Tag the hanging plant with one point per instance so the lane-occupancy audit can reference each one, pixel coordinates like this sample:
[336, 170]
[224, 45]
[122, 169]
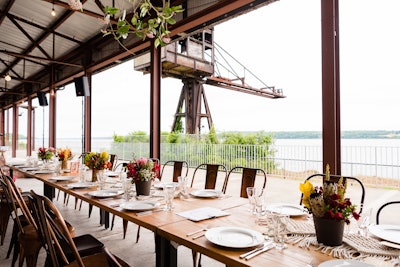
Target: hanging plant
[145, 20]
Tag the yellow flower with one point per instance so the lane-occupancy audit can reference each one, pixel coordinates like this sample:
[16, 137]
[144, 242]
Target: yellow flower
[104, 155]
[307, 189]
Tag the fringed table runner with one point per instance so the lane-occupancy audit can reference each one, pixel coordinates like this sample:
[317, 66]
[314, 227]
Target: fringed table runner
[368, 249]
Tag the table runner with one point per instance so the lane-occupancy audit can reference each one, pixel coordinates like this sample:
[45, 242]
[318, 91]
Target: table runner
[302, 233]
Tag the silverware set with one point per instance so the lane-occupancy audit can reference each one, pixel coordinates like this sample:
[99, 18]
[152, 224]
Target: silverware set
[198, 233]
[258, 250]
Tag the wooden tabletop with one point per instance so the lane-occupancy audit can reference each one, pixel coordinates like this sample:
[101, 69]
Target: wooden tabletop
[173, 227]
[240, 217]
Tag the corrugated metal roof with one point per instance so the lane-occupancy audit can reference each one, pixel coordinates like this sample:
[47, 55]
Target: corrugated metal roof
[32, 41]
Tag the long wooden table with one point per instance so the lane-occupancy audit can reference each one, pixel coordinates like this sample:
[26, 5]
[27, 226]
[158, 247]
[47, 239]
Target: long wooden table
[168, 226]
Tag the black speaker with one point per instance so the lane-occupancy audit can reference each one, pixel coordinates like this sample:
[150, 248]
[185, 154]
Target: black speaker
[82, 86]
[42, 98]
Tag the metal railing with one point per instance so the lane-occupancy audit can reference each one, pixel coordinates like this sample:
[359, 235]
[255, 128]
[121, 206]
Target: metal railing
[375, 166]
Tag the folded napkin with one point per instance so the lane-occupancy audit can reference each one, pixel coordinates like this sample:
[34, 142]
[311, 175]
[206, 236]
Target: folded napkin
[202, 214]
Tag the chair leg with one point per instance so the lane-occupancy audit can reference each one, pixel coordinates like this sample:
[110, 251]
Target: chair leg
[13, 242]
[4, 217]
[80, 205]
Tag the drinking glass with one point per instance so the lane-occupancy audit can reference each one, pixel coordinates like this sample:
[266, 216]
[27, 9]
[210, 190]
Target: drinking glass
[182, 187]
[251, 192]
[260, 205]
[126, 185]
[169, 194]
[363, 222]
[280, 222]
[101, 179]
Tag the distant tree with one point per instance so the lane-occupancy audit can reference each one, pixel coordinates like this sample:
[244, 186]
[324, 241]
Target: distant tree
[212, 137]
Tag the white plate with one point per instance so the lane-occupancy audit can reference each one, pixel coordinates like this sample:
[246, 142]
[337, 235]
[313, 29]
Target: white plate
[42, 172]
[387, 232]
[344, 263]
[105, 193]
[287, 209]
[207, 193]
[161, 185]
[63, 178]
[140, 205]
[81, 185]
[234, 237]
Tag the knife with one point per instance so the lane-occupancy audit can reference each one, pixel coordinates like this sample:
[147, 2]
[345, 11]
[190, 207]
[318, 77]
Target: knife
[265, 248]
[259, 247]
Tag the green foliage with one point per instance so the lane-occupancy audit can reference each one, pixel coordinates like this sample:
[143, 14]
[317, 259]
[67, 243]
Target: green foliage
[212, 137]
[133, 137]
[149, 21]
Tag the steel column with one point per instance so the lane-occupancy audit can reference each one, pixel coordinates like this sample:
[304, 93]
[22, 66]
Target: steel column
[14, 143]
[155, 101]
[29, 128]
[2, 127]
[87, 117]
[330, 86]
[52, 118]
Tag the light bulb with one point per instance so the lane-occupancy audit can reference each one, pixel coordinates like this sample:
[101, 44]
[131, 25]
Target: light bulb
[53, 12]
[7, 77]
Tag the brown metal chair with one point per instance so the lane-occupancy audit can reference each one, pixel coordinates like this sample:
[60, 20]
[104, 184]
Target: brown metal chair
[25, 239]
[249, 176]
[378, 213]
[211, 175]
[63, 249]
[321, 178]
[179, 168]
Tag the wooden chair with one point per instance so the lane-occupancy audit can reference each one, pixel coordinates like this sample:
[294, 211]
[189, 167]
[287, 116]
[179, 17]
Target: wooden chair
[248, 179]
[391, 203]
[178, 168]
[335, 178]
[211, 175]
[63, 249]
[5, 214]
[25, 239]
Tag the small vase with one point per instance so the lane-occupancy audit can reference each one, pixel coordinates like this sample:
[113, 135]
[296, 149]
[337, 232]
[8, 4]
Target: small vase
[143, 188]
[329, 232]
[94, 175]
[64, 165]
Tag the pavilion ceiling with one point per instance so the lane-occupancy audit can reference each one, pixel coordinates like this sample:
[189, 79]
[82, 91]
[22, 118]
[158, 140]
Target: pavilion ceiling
[40, 51]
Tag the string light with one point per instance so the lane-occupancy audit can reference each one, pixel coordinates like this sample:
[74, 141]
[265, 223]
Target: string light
[53, 12]
[7, 77]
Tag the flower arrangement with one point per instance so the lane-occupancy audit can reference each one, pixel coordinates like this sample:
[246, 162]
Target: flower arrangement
[143, 169]
[328, 201]
[46, 153]
[97, 161]
[64, 154]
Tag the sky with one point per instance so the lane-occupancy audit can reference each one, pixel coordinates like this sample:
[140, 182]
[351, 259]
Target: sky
[281, 44]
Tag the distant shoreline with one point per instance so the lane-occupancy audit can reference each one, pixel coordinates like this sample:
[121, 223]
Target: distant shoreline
[379, 134]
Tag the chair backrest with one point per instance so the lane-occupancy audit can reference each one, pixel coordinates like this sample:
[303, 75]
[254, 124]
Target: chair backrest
[249, 176]
[378, 213]
[53, 231]
[16, 201]
[113, 159]
[212, 171]
[336, 178]
[178, 166]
